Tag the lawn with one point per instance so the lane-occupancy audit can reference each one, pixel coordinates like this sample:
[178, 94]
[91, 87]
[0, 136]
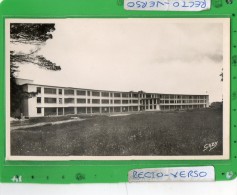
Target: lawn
[145, 133]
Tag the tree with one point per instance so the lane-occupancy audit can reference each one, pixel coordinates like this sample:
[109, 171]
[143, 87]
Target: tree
[31, 33]
[35, 35]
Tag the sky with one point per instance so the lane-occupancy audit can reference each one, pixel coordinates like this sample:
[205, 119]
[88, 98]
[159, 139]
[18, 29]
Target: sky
[153, 55]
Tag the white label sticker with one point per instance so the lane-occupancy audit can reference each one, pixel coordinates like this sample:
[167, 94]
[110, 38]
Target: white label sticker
[202, 173]
[167, 5]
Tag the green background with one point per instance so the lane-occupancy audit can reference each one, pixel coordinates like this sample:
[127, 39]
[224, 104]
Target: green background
[106, 171]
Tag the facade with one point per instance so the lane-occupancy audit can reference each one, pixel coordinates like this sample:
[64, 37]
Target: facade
[55, 100]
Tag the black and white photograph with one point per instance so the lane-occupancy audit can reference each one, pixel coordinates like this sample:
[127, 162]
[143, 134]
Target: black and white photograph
[117, 89]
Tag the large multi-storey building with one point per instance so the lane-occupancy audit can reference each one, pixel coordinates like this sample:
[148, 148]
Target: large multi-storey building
[55, 100]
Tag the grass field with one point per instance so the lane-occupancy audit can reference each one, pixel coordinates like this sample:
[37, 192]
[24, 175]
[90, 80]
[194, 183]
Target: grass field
[146, 133]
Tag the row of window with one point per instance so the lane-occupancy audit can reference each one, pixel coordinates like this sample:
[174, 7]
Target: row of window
[149, 95]
[83, 101]
[180, 107]
[84, 110]
[151, 107]
[182, 97]
[84, 92]
[181, 101]
[151, 101]
[172, 96]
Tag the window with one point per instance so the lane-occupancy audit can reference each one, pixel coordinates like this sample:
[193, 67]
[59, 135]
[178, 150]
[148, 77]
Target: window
[125, 101]
[111, 94]
[125, 109]
[105, 109]
[69, 110]
[60, 91]
[69, 100]
[38, 100]
[117, 95]
[38, 89]
[81, 101]
[50, 90]
[117, 101]
[88, 101]
[171, 96]
[124, 94]
[135, 95]
[81, 110]
[50, 100]
[68, 92]
[148, 95]
[38, 110]
[95, 101]
[80, 92]
[95, 110]
[105, 101]
[135, 101]
[88, 93]
[117, 109]
[60, 100]
[88, 110]
[105, 94]
[111, 101]
[135, 108]
[50, 111]
[60, 111]
[95, 93]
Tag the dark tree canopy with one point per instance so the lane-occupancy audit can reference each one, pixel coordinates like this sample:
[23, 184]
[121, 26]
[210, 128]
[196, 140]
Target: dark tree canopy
[38, 60]
[31, 33]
